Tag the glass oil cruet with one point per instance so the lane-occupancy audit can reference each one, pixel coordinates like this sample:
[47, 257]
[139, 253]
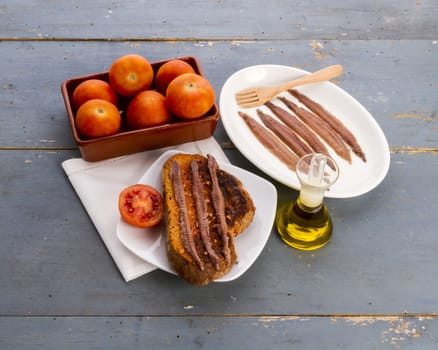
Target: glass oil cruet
[305, 223]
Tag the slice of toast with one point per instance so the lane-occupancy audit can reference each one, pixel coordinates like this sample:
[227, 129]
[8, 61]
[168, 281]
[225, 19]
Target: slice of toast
[205, 208]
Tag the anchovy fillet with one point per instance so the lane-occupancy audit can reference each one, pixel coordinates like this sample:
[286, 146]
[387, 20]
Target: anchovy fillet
[201, 213]
[323, 129]
[186, 232]
[334, 122]
[285, 134]
[271, 142]
[300, 128]
[219, 207]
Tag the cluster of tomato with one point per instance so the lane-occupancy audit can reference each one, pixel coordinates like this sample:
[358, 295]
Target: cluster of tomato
[175, 89]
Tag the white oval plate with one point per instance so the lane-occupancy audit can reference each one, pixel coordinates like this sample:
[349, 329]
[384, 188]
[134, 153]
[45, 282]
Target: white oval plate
[150, 244]
[356, 178]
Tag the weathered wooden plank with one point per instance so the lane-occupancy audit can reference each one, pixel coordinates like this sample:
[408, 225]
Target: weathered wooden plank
[381, 260]
[261, 332]
[60, 287]
[278, 19]
[394, 80]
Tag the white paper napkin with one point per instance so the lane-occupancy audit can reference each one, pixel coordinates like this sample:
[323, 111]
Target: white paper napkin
[98, 185]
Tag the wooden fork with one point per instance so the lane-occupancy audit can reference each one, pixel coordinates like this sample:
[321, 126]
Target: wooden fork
[257, 96]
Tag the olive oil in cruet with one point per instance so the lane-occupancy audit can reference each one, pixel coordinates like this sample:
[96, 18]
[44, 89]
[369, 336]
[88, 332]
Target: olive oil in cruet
[305, 223]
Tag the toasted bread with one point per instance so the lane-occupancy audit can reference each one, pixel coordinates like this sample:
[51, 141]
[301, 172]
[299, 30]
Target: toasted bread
[205, 208]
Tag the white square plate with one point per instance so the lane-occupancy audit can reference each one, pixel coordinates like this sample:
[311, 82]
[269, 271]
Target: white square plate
[150, 244]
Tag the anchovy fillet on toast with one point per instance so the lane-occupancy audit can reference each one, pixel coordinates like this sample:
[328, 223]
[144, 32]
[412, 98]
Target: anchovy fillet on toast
[206, 207]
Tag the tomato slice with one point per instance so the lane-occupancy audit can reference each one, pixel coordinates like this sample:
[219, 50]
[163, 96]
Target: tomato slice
[141, 205]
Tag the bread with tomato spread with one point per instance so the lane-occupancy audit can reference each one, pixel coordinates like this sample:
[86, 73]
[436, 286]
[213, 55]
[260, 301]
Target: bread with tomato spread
[205, 209]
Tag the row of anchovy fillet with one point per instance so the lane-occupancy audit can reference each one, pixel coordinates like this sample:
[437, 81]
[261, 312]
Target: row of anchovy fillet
[201, 212]
[296, 132]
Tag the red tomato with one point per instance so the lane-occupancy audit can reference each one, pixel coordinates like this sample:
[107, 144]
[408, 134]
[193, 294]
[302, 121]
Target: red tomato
[130, 74]
[169, 71]
[148, 108]
[190, 96]
[93, 88]
[141, 205]
[98, 118]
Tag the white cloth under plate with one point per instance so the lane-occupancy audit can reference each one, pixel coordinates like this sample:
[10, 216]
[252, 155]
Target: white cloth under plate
[98, 185]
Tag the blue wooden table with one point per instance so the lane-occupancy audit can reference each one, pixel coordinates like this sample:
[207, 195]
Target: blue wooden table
[373, 287]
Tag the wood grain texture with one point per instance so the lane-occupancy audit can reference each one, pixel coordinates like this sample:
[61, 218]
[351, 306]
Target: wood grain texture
[371, 287]
[249, 20]
[394, 80]
[283, 332]
[378, 261]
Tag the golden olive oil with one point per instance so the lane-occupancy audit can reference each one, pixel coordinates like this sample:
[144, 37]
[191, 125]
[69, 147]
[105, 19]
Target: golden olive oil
[302, 227]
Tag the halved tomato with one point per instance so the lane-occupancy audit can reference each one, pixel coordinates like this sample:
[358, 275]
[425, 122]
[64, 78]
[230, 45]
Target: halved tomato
[141, 205]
